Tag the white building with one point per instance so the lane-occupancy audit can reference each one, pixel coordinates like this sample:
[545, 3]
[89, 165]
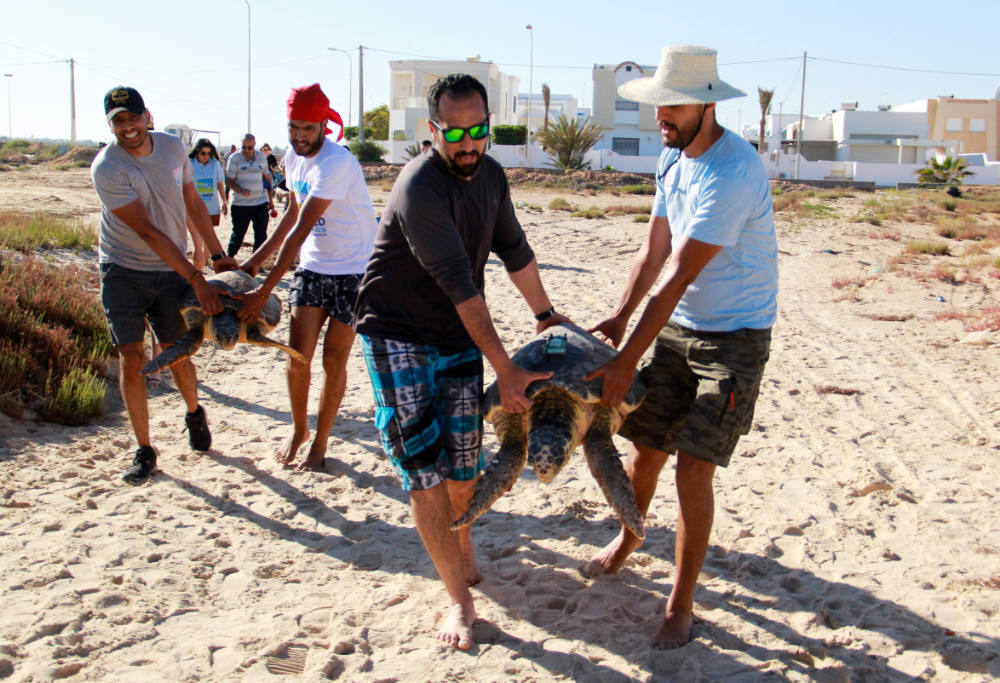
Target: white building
[410, 80]
[631, 127]
[884, 136]
[565, 105]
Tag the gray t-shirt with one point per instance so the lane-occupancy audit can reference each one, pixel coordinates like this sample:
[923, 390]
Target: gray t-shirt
[157, 180]
[249, 175]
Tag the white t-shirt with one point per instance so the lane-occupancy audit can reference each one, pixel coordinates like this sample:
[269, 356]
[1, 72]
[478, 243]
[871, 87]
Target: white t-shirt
[249, 175]
[342, 240]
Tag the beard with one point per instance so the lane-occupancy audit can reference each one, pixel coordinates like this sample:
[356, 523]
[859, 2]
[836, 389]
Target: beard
[307, 149]
[464, 164]
[686, 135]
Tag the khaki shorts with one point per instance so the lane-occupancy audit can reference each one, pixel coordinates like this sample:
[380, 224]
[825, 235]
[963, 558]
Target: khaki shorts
[702, 390]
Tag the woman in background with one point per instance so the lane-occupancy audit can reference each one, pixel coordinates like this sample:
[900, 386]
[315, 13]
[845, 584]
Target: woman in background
[210, 181]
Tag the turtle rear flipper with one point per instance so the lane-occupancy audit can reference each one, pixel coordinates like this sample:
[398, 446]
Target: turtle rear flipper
[502, 472]
[255, 336]
[185, 347]
[606, 467]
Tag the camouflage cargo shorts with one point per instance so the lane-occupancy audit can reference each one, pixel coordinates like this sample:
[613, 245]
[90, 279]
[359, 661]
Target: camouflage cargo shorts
[702, 390]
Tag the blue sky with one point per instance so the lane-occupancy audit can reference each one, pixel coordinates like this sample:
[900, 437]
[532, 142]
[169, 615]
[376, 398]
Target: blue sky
[189, 59]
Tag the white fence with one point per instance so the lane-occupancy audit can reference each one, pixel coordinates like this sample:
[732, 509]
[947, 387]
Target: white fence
[778, 165]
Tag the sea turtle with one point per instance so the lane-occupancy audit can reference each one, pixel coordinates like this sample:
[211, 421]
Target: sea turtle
[565, 412]
[224, 328]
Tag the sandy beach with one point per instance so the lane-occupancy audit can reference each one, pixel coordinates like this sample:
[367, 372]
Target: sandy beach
[856, 537]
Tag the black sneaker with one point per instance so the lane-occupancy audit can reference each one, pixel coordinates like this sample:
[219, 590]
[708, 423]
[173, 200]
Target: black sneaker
[197, 426]
[143, 465]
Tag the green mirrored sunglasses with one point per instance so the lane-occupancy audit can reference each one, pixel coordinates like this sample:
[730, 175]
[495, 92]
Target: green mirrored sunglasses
[476, 132]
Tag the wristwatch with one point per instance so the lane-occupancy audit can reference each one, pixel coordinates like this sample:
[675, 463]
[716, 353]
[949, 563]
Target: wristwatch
[545, 315]
[216, 257]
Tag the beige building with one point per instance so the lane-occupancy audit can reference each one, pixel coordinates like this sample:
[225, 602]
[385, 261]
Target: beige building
[410, 80]
[973, 124]
[631, 127]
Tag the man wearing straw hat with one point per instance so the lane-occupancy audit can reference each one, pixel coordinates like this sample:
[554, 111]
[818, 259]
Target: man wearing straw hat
[713, 229]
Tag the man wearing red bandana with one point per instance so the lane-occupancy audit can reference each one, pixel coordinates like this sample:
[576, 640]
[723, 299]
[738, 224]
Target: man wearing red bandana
[330, 225]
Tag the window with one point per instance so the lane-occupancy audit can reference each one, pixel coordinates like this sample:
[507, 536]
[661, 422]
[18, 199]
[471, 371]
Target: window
[977, 125]
[953, 125]
[625, 105]
[625, 146]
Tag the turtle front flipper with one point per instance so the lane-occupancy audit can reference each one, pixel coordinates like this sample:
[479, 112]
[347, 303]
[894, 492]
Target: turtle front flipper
[606, 467]
[554, 418]
[255, 336]
[185, 347]
[501, 473]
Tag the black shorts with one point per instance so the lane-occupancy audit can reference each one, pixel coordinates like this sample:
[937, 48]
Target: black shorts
[702, 390]
[131, 297]
[335, 294]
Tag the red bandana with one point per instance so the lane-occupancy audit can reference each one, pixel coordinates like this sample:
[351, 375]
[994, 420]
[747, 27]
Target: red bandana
[310, 104]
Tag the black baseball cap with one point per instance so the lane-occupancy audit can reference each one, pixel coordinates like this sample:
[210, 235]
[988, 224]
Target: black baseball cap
[122, 98]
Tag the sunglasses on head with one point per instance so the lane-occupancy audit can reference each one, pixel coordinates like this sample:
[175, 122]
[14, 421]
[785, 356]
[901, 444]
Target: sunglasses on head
[476, 132]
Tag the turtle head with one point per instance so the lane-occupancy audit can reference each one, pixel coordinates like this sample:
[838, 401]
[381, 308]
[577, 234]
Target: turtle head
[226, 329]
[549, 447]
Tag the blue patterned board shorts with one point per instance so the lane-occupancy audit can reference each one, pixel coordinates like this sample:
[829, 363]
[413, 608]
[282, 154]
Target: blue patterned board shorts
[427, 410]
[335, 294]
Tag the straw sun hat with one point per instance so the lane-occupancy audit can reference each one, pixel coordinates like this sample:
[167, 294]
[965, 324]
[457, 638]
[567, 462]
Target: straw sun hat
[686, 75]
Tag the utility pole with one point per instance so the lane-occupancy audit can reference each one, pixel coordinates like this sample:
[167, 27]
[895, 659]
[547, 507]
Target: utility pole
[531, 85]
[249, 131]
[72, 101]
[802, 107]
[361, 93]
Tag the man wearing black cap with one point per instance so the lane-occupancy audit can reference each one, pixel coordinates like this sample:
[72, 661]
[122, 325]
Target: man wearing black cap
[146, 186]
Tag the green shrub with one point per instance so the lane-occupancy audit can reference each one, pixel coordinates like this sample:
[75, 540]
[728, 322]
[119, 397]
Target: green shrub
[76, 398]
[366, 150]
[928, 247]
[640, 218]
[592, 212]
[51, 328]
[510, 135]
[560, 204]
[639, 189]
[26, 232]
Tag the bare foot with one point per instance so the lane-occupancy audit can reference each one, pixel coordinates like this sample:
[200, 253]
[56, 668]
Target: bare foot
[290, 447]
[456, 629]
[675, 631]
[612, 557]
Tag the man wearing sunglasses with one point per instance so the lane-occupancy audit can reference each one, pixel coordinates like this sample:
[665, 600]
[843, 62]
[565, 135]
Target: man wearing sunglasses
[245, 176]
[425, 327]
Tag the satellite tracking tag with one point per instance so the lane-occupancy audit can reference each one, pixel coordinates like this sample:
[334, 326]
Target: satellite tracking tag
[555, 345]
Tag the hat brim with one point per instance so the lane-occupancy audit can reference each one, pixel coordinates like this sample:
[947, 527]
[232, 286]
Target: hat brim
[118, 110]
[645, 90]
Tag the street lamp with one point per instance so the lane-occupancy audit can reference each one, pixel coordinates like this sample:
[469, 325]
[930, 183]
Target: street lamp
[350, 87]
[10, 126]
[531, 74]
[248, 65]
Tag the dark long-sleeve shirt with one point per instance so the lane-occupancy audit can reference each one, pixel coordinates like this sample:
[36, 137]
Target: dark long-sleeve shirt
[431, 249]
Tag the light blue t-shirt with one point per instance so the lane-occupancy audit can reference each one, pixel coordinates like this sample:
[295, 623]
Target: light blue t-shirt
[722, 197]
[207, 178]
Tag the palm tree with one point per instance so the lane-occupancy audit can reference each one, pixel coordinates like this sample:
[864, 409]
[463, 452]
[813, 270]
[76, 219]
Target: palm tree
[546, 98]
[568, 141]
[765, 106]
[948, 171]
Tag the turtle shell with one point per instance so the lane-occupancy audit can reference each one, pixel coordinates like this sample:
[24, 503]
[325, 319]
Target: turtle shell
[237, 282]
[570, 352]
